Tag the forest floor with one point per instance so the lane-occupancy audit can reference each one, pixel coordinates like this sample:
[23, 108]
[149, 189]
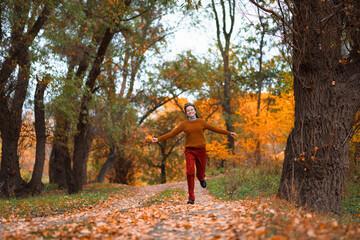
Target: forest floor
[131, 215]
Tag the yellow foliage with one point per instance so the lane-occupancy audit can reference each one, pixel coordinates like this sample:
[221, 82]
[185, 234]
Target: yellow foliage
[218, 150]
[269, 126]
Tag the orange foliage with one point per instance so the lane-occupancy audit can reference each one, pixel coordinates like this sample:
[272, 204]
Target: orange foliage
[218, 150]
[270, 127]
[27, 148]
[216, 146]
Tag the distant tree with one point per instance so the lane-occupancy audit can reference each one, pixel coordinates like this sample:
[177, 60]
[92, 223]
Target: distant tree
[259, 70]
[88, 59]
[164, 123]
[76, 26]
[224, 29]
[143, 36]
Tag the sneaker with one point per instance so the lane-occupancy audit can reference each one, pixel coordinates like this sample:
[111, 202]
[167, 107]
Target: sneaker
[190, 202]
[203, 183]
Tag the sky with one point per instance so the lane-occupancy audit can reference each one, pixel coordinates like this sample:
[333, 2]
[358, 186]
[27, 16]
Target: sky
[199, 38]
[190, 36]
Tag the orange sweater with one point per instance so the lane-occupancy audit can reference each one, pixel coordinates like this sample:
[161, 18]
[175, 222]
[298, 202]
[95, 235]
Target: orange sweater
[194, 132]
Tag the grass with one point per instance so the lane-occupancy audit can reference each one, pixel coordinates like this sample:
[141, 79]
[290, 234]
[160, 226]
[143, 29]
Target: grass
[165, 196]
[351, 202]
[54, 201]
[244, 183]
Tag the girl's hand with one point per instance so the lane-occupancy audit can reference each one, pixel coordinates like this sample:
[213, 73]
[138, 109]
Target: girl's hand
[154, 140]
[149, 138]
[233, 134]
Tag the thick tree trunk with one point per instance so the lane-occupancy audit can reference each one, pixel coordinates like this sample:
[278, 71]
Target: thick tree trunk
[11, 183]
[60, 160]
[327, 97]
[124, 168]
[316, 156]
[36, 185]
[107, 165]
[81, 138]
[59, 156]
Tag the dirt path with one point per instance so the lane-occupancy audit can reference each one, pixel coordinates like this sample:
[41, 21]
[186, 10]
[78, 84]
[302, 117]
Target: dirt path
[208, 218]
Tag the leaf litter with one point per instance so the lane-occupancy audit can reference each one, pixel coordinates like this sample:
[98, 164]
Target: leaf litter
[129, 216]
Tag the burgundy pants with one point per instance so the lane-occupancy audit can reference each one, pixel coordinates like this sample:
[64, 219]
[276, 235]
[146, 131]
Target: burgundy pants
[194, 156]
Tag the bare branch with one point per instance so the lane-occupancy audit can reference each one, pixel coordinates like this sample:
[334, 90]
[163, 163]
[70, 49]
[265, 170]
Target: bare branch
[275, 15]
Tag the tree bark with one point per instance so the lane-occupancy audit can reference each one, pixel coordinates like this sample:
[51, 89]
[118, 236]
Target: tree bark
[260, 79]
[21, 45]
[226, 98]
[59, 156]
[327, 97]
[60, 160]
[36, 186]
[124, 168]
[89, 140]
[163, 171]
[80, 139]
[11, 183]
[107, 165]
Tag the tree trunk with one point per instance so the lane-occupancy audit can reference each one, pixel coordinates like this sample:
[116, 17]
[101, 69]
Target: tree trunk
[107, 165]
[80, 139]
[59, 156]
[163, 170]
[11, 104]
[226, 104]
[89, 140]
[60, 160]
[327, 97]
[124, 168]
[21, 43]
[225, 53]
[260, 79]
[12, 185]
[36, 186]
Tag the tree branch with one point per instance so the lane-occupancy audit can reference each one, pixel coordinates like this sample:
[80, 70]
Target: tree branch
[275, 15]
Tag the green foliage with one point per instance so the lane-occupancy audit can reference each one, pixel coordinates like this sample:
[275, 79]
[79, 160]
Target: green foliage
[167, 152]
[245, 182]
[184, 74]
[260, 61]
[57, 202]
[351, 202]
[48, 187]
[166, 196]
[214, 171]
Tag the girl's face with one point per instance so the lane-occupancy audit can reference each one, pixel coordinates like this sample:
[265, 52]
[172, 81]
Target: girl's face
[190, 111]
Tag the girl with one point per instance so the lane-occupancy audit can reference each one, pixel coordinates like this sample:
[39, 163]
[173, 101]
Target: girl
[195, 152]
